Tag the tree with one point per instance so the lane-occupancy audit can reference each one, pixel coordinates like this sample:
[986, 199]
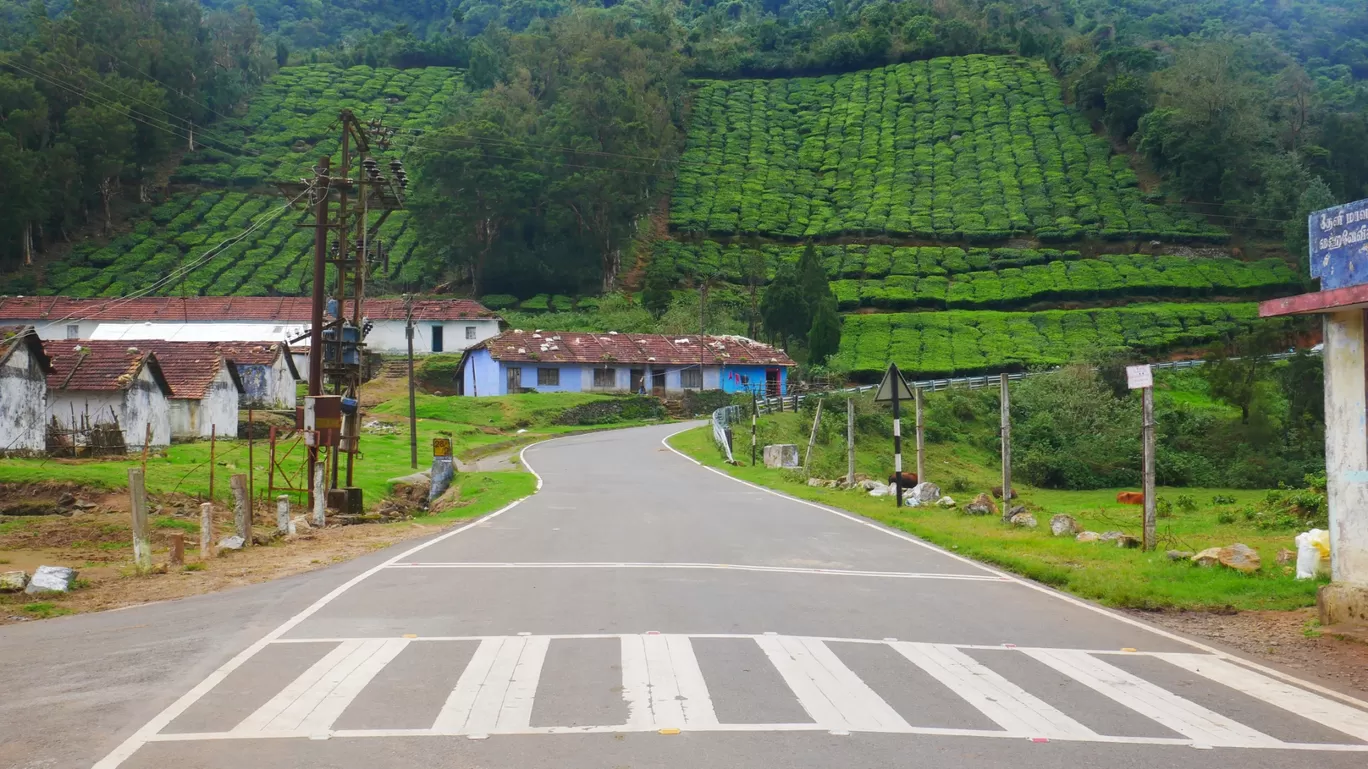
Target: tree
[824, 338]
[783, 309]
[812, 282]
[655, 295]
[1234, 371]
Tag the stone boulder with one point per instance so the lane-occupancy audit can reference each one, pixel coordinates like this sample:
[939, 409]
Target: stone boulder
[781, 455]
[924, 493]
[1209, 557]
[13, 581]
[51, 579]
[1063, 525]
[946, 502]
[982, 505]
[1112, 536]
[879, 491]
[869, 484]
[1088, 536]
[1023, 519]
[1241, 558]
[1287, 557]
[231, 543]
[1178, 555]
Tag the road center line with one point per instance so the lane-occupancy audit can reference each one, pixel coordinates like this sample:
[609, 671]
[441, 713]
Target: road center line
[719, 566]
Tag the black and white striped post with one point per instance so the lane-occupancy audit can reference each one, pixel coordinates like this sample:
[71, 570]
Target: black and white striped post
[897, 444]
[894, 389]
[755, 410]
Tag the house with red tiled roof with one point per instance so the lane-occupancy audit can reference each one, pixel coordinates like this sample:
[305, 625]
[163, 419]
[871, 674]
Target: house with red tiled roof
[23, 391]
[440, 324]
[206, 390]
[265, 371]
[571, 361]
[109, 383]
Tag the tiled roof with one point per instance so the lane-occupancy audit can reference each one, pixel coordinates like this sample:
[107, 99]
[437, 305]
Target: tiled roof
[646, 349]
[90, 365]
[237, 309]
[13, 336]
[190, 367]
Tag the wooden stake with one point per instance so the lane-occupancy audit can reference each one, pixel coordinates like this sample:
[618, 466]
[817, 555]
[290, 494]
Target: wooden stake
[241, 509]
[213, 432]
[921, 439]
[178, 549]
[206, 530]
[1006, 448]
[1151, 514]
[251, 474]
[142, 547]
[147, 441]
[850, 441]
[812, 438]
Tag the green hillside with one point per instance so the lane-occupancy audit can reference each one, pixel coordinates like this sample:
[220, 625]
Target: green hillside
[975, 148]
[290, 124]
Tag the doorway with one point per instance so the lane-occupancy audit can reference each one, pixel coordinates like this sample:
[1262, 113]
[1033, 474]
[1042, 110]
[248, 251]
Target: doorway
[658, 382]
[638, 380]
[437, 338]
[514, 380]
[772, 382]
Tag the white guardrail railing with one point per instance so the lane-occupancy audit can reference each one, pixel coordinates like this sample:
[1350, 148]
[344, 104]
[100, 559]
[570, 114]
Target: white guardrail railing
[722, 420]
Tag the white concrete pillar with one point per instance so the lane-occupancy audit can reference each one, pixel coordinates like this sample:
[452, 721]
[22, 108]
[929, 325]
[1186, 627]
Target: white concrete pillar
[1346, 445]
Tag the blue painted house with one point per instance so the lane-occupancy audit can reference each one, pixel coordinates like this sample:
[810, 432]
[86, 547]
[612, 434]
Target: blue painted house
[570, 361]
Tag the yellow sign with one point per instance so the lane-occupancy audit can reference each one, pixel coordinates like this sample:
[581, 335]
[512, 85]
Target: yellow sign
[441, 447]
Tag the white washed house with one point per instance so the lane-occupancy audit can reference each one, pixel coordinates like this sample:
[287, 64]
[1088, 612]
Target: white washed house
[104, 383]
[23, 391]
[206, 391]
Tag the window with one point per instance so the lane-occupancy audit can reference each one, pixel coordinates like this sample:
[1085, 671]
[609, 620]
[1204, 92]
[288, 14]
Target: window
[470, 332]
[548, 377]
[691, 378]
[73, 332]
[437, 338]
[605, 378]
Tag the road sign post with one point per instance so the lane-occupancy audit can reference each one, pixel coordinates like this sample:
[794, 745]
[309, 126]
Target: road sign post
[1142, 378]
[893, 389]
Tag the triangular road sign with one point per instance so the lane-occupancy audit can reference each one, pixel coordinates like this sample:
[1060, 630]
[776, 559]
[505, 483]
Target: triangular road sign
[892, 378]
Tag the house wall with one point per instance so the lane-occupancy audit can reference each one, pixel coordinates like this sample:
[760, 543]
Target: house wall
[482, 375]
[100, 406]
[219, 408]
[183, 416]
[388, 335]
[145, 404]
[267, 386]
[23, 404]
[744, 378]
[570, 378]
[1346, 445]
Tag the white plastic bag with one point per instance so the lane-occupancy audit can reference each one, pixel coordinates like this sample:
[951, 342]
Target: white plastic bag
[1313, 553]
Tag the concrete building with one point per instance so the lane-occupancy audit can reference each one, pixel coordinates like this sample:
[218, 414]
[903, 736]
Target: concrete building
[565, 361]
[1339, 259]
[24, 368]
[106, 384]
[206, 390]
[266, 372]
[440, 325]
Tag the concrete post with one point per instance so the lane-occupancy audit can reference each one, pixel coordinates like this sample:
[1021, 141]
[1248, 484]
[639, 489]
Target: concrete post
[1346, 466]
[1006, 431]
[850, 441]
[206, 529]
[1149, 537]
[142, 546]
[320, 515]
[177, 549]
[283, 515]
[242, 509]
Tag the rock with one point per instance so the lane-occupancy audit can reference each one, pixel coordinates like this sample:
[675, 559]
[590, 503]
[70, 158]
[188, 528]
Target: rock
[1063, 525]
[51, 579]
[231, 543]
[879, 491]
[946, 502]
[1112, 536]
[1088, 536]
[13, 581]
[300, 523]
[1128, 542]
[925, 493]
[1178, 555]
[82, 504]
[981, 505]
[816, 482]
[1241, 558]
[1015, 509]
[833, 484]
[1209, 557]
[997, 493]
[781, 455]
[1286, 557]
[66, 500]
[870, 484]
[1023, 519]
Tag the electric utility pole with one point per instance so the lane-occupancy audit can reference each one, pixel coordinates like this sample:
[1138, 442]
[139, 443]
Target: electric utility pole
[413, 407]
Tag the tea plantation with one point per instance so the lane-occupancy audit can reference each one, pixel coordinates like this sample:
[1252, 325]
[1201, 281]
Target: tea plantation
[975, 148]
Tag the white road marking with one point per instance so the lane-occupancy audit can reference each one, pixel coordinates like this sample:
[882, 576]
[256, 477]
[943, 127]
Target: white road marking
[663, 685]
[497, 688]
[314, 700]
[1078, 602]
[723, 566]
[1007, 704]
[148, 730]
[1305, 704]
[1183, 716]
[829, 691]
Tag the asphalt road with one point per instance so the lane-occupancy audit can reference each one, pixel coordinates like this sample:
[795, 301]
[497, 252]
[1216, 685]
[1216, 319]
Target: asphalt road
[643, 611]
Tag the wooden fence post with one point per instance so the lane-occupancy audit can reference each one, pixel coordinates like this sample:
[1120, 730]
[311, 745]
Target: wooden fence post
[206, 529]
[213, 431]
[812, 437]
[1006, 449]
[177, 549]
[1151, 503]
[850, 441]
[242, 511]
[142, 547]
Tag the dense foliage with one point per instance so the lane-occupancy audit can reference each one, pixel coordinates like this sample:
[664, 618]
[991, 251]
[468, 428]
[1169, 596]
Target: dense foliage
[93, 102]
[962, 342]
[973, 147]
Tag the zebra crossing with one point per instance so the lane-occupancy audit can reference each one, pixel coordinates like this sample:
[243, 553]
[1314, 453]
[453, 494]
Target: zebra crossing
[664, 688]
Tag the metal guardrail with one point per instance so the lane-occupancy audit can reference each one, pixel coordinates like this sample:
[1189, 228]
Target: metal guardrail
[722, 420]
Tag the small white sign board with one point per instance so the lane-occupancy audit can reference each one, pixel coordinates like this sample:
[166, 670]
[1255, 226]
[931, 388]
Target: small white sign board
[1139, 377]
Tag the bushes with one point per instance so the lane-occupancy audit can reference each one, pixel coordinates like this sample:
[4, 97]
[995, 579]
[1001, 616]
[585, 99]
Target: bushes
[974, 148]
[628, 408]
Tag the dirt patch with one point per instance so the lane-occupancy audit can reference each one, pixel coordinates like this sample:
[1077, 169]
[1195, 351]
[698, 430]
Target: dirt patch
[1285, 639]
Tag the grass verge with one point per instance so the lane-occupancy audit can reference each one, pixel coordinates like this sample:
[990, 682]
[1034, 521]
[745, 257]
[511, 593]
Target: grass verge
[1101, 572]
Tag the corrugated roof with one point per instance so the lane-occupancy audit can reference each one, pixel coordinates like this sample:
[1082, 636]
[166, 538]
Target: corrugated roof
[172, 309]
[109, 366]
[658, 349]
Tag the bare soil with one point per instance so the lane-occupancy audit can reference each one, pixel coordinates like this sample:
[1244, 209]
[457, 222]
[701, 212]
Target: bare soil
[1288, 640]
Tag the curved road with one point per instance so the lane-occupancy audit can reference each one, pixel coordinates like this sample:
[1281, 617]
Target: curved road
[643, 611]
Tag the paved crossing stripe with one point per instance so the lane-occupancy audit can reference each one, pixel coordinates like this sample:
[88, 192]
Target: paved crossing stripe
[1314, 707]
[829, 691]
[1007, 704]
[1182, 716]
[314, 700]
[662, 683]
[496, 690]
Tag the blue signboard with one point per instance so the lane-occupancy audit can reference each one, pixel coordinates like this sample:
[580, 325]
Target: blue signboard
[1339, 245]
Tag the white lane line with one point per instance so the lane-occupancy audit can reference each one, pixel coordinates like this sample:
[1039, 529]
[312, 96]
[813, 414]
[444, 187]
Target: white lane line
[309, 680]
[144, 734]
[313, 701]
[676, 696]
[516, 712]
[336, 702]
[461, 702]
[1007, 704]
[829, 691]
[696, 701]
[1203, 726]
[1065, 597]
[1323, 711]
[497, 688]
[636, 681]
[723, 566]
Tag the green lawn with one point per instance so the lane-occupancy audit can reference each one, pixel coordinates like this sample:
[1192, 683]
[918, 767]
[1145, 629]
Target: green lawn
[1102, 572]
